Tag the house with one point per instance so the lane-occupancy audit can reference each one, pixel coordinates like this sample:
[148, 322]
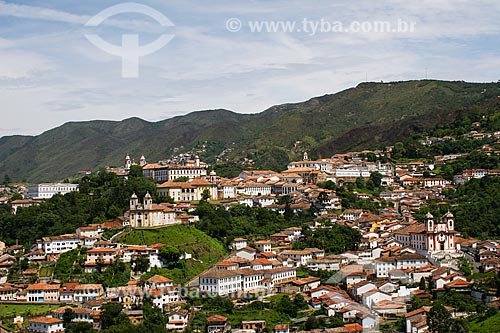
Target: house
[324, 264]
[160, 297]
[280, 238]
[161, 172]
[355, 277]
[254, 189]
[246, 253]
[228, 190]
[23, 203]
[416, 321]
[300, 257]
[88, 292]
[80, 315]
[227, 282]
[221, 282]
[282, 328]
[362, 287]
[48, 190]
[307, 283]
[217, 324]
[7, 292]
[45, 325]
[389, 308]
[102, 254]
[261, 264]
[352, 214]
[90, 231]
[177, 320]
[239, 243]
[192, 190]
[36, 256]
[406, 261]
[42, 293]
[263, 245]
[158, 281]
[371, 298]
[59, 244]
[367, 320]
[67, 292]
[490, 264]
[353, 328]
[256, 325]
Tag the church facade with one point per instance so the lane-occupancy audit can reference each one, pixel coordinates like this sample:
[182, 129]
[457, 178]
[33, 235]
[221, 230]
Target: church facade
[440, 237]
[147, 214]
[430, 237]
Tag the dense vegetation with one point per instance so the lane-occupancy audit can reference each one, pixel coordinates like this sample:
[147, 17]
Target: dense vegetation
[102, 197]
[369, 115]
[335, 238]
[243, 221]
[476, 206]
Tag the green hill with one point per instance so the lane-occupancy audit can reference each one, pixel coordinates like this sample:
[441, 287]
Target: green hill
[205, 250]
[369, 115]
[491, 324]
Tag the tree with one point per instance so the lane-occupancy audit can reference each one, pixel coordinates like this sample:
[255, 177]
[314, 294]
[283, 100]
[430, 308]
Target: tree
[438, 319]
[322, 197]
[312, 323]
[422, 285]
[112, 315]
[376, 178]
[300, 302]
[154, 319]
[170, 255]
[205, 195]
[68, 316]
[136, 171]
[181, 179]
[141, 264]
[465, 266]
[360, 183]
[79, 327]
[16, 196]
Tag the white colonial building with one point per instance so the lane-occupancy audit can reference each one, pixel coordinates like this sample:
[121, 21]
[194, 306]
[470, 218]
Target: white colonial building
[45, 325]
[162, 172]
[59, 244]
[191, 190]
[48, 190]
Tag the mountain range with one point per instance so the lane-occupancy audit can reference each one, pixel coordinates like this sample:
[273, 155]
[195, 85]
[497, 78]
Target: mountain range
[369, 115]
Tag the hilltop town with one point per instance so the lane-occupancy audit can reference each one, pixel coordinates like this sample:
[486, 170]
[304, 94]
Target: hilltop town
[358, 242]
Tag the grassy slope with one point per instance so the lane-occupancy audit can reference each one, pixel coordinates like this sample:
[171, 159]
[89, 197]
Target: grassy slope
[206, 250]
[492, 324]
[369, 114]
[12, 310]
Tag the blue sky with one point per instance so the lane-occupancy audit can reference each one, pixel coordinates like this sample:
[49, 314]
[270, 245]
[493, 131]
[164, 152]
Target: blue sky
[50, 73]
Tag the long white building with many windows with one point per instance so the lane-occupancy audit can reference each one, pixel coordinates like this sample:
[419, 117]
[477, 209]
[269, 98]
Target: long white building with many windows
[48, 190]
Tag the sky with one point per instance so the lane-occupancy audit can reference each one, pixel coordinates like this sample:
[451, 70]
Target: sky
[217, 57]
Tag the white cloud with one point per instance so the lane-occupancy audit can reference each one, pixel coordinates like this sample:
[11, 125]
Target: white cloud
[52, 75]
